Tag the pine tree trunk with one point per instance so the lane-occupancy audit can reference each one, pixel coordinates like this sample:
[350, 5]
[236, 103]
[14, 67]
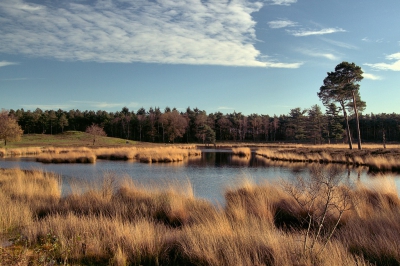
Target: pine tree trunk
[357, 121]
[347, 126]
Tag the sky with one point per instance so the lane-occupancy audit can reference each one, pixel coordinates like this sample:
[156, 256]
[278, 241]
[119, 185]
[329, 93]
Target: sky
[265, 57]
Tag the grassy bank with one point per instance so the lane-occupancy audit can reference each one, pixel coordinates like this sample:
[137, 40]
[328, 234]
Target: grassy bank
[123, 223]
[375, 159]
[66, 139]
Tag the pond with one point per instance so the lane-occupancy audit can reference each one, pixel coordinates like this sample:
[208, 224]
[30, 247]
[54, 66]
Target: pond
[210, 175]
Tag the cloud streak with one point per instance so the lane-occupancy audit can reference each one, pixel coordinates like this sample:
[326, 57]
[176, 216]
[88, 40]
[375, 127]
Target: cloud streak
[277, 24]
[215, 32]
[283, 2]
[395, 66]
[6, 63]
[313, 53]
[371, 76]
[304, 33]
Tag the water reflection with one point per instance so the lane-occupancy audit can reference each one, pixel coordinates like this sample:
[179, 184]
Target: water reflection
[209, 174]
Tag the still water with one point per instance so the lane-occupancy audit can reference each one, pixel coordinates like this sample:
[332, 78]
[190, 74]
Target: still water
[210, 175]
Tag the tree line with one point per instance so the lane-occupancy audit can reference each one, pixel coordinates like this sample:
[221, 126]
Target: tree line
[195, 125]
[342, 121]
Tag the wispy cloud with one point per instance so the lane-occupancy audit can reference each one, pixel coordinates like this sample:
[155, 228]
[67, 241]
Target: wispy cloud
[283, 65]
[371, 76]
[340, 44]
[366, 39]
[168, 32]
[303, 33]
[395, 66]
[314, 53]
[6, 63]
[225, 108]
[277, 24]
[283, 2]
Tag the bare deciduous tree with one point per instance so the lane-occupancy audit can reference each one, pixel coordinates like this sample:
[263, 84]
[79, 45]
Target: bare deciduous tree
[323, 198]
[95, 131]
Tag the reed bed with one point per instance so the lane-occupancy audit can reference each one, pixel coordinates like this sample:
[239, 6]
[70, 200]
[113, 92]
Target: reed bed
[70, 157]
[20, 151]
[242, 151]
[123, 223]
[167, 154]
[376, 160]
[124, 153]
[146, 155]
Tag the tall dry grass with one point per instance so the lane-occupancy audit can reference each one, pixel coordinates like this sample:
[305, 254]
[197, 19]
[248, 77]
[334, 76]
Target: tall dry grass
[122, 223]
[70, 157]
[146, 155]
[23, 194]
[373, 161]
[242, 151]
[20, 151]
[167, 154]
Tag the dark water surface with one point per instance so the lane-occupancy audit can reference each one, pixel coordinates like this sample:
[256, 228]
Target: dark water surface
[209, 174]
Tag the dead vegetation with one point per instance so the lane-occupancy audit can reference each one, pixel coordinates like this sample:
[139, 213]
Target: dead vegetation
[90, 155]
[123, 223]
[375, 159]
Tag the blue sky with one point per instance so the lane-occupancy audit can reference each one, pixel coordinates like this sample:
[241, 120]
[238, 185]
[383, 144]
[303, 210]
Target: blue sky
[263, 57]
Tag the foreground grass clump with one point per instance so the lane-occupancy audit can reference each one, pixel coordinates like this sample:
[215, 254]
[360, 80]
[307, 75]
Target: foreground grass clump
[23, 194]
[117, 222]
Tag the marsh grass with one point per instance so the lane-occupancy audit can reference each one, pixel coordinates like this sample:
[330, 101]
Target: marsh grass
[22, 194]
[90, 155]
[242, 151]
[117, 221]
[376, 160]
[20, 151]
[71, 157]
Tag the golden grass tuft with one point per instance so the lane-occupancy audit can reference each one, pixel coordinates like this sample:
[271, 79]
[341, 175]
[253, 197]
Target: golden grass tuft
[242, 151]
[69, 157]
[166, 154]
[22, 193]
